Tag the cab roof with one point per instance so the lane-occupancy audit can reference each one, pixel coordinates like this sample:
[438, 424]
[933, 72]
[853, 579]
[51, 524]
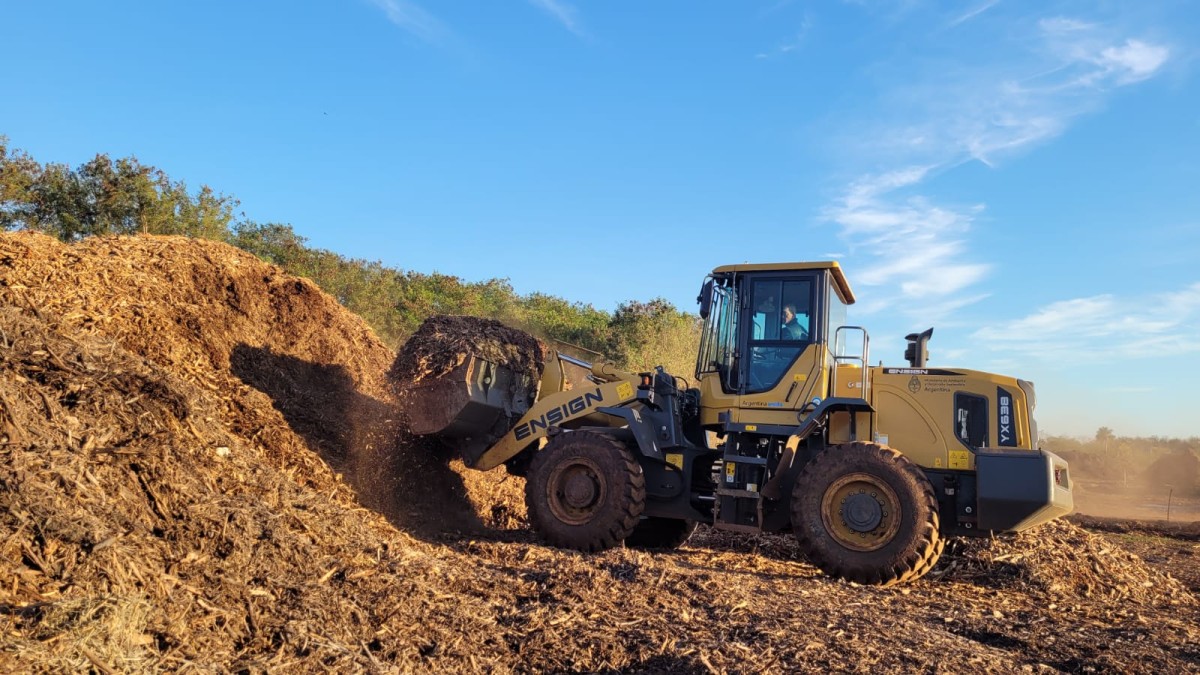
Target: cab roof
[840, 284]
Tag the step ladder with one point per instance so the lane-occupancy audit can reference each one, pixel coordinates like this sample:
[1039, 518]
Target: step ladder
[739, 502]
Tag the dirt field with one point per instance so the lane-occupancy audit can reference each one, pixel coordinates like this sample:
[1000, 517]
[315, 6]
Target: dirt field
[201, 470]
[1114, 499]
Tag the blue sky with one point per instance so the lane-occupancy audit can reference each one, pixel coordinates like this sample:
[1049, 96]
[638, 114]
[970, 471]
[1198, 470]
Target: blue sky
[1021, 175]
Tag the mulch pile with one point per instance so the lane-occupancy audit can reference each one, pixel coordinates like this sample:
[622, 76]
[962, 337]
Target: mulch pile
[293, 372]
[139, 534]
[1059, 561]
[201, 468]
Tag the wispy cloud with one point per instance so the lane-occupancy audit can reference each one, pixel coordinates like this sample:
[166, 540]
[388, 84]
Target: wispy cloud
[562, 12]
[973, 12]
[1134, 61]
[793, 43]
[919, 247]
[939, 115]
[991, 110]
[1097, 328]
[413, 19]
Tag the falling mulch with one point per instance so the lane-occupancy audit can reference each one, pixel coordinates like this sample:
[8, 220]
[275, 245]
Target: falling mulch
[188, 439]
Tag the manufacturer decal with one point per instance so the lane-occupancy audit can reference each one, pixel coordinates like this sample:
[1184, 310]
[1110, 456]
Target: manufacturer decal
[919, 371]
[1005, 418]
[560, 414]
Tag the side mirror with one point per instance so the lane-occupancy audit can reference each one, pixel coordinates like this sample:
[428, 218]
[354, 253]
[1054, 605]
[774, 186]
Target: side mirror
[705, 299]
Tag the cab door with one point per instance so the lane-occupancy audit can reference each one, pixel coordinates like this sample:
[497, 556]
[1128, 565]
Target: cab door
[783, 346]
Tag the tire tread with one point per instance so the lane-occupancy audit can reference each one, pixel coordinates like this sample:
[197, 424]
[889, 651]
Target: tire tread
[916, 560]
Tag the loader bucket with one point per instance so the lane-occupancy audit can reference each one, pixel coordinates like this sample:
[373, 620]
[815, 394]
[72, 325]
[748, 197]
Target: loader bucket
[478, 400]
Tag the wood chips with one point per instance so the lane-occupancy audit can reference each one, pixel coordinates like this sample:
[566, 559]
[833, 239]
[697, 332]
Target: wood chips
[201, 471]
[442, 343]
[431, 395]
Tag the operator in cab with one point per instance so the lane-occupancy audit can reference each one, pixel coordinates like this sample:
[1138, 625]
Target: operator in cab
[792, 330]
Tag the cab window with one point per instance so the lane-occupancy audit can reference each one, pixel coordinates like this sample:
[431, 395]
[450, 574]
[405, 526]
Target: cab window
[836, 312]
[971, 420]
[781, 322]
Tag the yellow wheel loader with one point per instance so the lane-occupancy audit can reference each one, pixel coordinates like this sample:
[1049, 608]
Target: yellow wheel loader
[786, 427]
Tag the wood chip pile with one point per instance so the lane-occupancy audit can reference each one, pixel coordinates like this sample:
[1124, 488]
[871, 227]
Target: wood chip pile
[138, 534]
[188, 438]
[1060, 560]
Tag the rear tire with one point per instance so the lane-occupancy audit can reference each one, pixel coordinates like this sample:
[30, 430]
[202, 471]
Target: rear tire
[662, 533]
[585, 491]
[867, 513]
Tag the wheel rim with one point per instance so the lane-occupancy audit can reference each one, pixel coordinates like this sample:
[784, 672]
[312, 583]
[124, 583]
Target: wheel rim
[576, 490]
[861, 511]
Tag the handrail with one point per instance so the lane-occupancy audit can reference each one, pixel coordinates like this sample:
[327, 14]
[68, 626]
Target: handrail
[861, 358]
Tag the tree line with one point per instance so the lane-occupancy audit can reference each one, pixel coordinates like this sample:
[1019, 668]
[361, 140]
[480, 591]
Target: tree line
[106, 196]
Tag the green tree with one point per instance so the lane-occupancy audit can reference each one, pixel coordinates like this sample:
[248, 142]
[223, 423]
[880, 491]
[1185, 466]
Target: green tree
[105, 196]
[273, 242]
[647, 334]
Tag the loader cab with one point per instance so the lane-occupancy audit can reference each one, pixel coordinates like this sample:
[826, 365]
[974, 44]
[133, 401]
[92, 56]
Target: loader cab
[767, 330]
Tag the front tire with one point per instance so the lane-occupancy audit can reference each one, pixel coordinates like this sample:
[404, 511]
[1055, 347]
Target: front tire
[867, 513]
[585, 491]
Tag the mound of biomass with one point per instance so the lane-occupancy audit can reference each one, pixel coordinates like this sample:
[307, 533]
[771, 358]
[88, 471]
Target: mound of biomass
[294, 373]
[137, 534]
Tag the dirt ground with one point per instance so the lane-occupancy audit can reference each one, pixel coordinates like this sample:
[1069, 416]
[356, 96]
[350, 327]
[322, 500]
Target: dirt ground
[1115, 499]
[201, 470]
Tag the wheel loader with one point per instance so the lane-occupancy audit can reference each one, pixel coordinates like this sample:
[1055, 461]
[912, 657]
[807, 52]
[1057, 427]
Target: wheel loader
[786, 426]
